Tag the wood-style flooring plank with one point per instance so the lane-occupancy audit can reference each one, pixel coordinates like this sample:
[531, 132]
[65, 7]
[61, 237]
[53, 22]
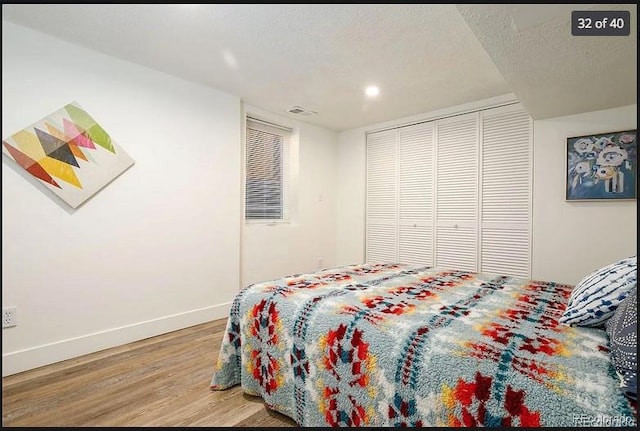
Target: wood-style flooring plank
[160, 381]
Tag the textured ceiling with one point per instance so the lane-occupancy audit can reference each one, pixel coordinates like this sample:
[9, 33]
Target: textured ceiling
[320, 57]
[550, 71]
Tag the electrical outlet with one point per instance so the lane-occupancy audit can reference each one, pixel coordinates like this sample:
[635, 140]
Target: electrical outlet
[8, 317]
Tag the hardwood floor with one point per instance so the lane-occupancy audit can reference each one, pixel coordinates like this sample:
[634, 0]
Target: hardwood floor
[160, 381]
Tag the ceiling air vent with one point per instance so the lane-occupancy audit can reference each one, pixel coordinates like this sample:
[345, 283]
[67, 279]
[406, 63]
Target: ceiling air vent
[298, 110]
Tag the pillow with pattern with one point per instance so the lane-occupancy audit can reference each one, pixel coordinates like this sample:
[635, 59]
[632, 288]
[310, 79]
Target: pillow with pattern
[596, 297]
[622, 329]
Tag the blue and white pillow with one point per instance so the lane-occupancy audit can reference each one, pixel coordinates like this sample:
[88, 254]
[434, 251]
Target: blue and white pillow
[595, 298]
[622, 330]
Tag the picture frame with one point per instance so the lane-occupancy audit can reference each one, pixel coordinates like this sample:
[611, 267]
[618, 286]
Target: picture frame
[602, 166]
[68, 153]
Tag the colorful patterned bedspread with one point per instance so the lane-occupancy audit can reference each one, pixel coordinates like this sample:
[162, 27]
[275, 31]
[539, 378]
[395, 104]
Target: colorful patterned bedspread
[394, 345]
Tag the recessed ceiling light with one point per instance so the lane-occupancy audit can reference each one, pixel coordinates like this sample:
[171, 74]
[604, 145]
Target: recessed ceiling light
[372, 91]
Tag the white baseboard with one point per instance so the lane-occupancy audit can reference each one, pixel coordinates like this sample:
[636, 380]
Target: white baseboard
[33, 357]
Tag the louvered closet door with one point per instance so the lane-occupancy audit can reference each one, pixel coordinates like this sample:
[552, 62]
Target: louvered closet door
[457, 192]
[415, 190]
[506, 191]
[381, 235]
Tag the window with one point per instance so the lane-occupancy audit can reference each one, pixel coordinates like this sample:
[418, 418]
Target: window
[266, 171]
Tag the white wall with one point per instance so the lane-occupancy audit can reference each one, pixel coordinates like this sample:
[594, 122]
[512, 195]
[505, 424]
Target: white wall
[352, 165]
[571, 239]
[158, 248]
[563, 249]
[272, 251]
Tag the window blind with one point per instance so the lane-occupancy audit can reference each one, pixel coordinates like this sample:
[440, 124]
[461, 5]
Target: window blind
[266, 178]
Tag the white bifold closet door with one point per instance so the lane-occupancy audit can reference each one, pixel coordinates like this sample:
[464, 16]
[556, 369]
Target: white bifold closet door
[382, 208]
[415, 193]
[400, 195]
[453, 193]
[456, 194]
[505, 182]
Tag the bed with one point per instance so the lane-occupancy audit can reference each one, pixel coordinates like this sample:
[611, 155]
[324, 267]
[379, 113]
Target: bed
[407, 345]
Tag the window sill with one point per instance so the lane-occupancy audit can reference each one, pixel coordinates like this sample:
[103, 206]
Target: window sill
[267, 222]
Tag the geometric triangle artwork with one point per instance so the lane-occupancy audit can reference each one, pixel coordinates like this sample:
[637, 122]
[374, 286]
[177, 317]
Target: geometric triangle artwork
[61, 170]
[77, 152]
[96, 133]
[75, 134]
[71, 146]
[54, 147]
[30, 165]
[55, 132]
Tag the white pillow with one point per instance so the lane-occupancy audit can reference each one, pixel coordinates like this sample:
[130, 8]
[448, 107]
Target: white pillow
[596, 297]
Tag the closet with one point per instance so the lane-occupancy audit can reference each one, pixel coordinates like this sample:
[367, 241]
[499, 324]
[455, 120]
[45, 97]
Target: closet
[453, 192]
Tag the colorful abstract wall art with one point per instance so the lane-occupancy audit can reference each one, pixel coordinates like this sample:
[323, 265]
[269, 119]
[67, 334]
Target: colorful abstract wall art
[68, 152]
[602, 166]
